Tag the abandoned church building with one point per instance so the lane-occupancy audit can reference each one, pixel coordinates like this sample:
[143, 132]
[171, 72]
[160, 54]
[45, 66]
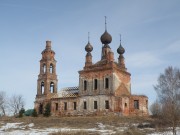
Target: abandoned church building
[104, 86]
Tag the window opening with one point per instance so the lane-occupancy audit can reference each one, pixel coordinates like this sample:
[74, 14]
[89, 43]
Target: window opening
[95, 84]
[125, 104]
[42, 87]
[41, 109]
[136, 104]
[52, 87]
[56, 106]
[44, 68]
[85, 85]
[65, 105]
[75, 105]
[95, 105]
[51, 68]
[106, 83]
[85, 105]
[107, 104]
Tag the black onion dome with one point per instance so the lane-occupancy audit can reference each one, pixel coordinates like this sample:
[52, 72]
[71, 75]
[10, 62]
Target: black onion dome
[120, 50]
[88, 47]
[106, 38]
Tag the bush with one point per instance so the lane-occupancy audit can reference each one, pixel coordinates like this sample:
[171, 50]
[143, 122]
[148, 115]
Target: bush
[34, 113]
[21, 112]
[47, 111]
[29, 112]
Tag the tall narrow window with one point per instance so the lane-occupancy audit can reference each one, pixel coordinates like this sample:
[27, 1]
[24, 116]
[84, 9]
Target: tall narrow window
[95, 105]
[95, 84]
[85, 105]
[125, 104]
[51, 68]
[42, 87]
[75, 105]
[44, 68]
[136, 104]
[107, 83]
[107, 104]
[52, 87]
[65, 105]
[85, 85]
[56, 106]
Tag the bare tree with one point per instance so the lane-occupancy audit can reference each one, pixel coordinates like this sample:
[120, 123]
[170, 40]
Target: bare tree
[155, 108]
[16, 103]
[168, 90]
[3, 102]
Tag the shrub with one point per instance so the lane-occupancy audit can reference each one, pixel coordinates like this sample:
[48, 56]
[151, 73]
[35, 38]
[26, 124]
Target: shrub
[21, 112]
[47, 111]
[29, 112]
[34, 113]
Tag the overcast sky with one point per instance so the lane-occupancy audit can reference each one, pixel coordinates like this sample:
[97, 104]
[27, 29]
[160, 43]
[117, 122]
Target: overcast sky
[150, 32]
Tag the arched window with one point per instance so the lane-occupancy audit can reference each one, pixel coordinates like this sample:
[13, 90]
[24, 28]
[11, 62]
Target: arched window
[85, 85]
[107, 83]
[44, 68]
[95, 84]
[51, 68]
[42, 87]
[52, 87]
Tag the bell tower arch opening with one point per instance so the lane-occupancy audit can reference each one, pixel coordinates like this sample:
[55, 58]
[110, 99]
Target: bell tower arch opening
[52, 87]
[51, 68]
[42, 88]
[44, 68]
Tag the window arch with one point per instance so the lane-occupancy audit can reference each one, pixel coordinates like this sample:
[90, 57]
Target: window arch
[44, 68]
[52, 87]
[42, 87]
[51, 68]
[85, 85]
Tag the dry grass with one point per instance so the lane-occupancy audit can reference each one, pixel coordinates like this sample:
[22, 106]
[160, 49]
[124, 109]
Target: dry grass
[78, 122]
[84, 122]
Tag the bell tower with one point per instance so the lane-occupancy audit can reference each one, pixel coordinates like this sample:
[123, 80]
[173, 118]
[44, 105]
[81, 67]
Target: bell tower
[47, 78]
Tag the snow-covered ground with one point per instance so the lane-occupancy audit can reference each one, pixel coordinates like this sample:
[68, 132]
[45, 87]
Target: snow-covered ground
[21, 129]
[167, 132]
[30, 129]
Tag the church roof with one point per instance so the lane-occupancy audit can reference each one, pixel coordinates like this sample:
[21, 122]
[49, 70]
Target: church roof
[67, 92]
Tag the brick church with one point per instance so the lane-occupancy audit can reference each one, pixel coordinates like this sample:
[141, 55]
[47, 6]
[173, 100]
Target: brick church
[104, 86]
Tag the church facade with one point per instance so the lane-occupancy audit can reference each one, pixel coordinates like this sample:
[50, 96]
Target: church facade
[104, 86]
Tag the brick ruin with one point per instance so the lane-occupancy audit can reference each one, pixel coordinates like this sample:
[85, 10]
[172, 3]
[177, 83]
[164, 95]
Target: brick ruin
[104, 86]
